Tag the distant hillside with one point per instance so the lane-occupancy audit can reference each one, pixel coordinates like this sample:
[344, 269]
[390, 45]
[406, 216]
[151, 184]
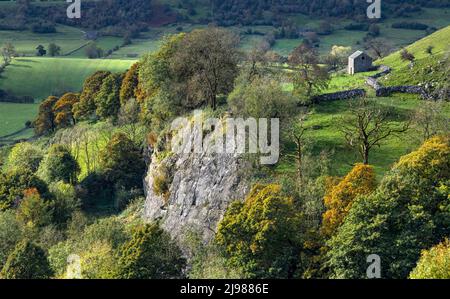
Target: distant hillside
[426, 67]
[246, 12]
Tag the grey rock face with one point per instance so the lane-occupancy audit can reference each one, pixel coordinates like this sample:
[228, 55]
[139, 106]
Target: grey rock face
[201, 188]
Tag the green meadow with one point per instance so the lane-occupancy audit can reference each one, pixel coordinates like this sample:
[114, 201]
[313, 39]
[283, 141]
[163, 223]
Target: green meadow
[41, 77]
[324, 122]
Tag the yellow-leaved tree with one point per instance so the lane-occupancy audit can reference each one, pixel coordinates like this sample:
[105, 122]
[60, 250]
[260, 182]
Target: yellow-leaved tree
[339, 198]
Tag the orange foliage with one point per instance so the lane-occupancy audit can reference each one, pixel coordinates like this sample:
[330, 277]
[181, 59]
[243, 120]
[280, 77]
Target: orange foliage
[30, 192]
[339, 198]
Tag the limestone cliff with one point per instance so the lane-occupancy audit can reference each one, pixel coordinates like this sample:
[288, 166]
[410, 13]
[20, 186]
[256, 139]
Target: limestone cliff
[198, 190]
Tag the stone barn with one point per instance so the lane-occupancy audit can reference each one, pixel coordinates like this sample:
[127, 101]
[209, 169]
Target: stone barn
[359, 62]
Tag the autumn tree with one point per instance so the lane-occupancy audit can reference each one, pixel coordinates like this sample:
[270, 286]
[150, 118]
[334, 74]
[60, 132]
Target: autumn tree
[91, 87]
[208, 59]
[129, 88]
[150, 254]
[63, 110]
[34, 211]
[407, 213]
[367, 125]
[27, 261]
[13, 183]
[434, 263]
[308, 76]
[339, 198]
[263, 235]
[45, 121]
[107, 99]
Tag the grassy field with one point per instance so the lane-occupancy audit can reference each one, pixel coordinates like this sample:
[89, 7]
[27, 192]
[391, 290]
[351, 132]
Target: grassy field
[402, 74]
[68, 38]
[41, 77]
[13, 118]
[327, 119]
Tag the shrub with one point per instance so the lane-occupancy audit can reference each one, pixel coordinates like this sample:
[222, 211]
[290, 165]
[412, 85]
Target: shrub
[263, 235]
[410, 25]
[27, 261]
[339, 199]
[122, 162]
[60, 165]
[34, 211]
[10, 234]
[434, 263]
[25, 155]
[150, 254]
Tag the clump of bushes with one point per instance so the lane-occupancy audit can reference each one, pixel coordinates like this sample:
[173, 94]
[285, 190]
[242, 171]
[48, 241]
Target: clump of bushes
[410, 25]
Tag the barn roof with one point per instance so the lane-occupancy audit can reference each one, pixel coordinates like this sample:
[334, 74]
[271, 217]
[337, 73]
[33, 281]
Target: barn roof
[356, 54]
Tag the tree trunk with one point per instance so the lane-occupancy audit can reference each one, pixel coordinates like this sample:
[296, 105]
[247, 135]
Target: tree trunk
[366, 155]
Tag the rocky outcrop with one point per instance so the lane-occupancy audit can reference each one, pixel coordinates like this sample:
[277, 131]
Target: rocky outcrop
[199, 189]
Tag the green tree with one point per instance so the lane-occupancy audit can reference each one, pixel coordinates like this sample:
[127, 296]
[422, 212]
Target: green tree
[40, 50]
[65, 202]
[93, 51]
[160, 90]
[27, 261]
[122, 162]
[263, 97]
[434, 263]
[264, 235]
[107, 99]
[208, 60]
[25, 155]
[59, 165]
[150, 254]
[407, 213]
[10, 234]
[45, 122]
[54, 50]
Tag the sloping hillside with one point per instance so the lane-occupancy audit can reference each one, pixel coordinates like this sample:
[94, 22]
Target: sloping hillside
[426, 67]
